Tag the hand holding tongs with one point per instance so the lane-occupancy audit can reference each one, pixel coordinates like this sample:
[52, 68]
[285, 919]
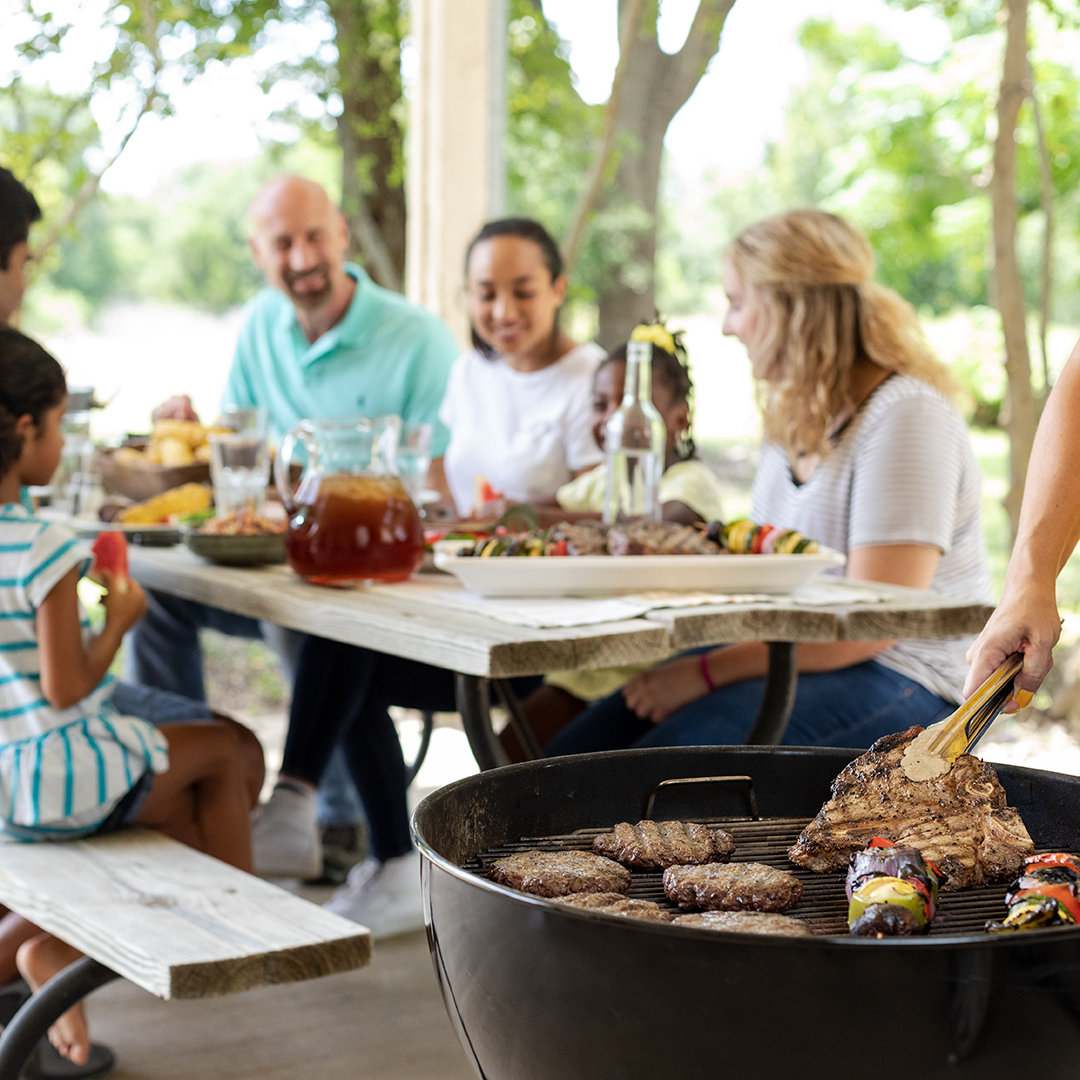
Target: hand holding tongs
[934, 750]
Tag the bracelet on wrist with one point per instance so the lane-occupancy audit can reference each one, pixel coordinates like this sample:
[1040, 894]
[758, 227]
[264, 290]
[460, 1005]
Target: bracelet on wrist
[710, 682]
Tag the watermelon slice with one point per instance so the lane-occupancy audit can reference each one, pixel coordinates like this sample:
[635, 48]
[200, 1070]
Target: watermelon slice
[110, 554]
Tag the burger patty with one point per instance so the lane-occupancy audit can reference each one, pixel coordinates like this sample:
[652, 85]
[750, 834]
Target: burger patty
[656, 845]
[558, 873]
[746, 922]
[617, 904]
[732, 887]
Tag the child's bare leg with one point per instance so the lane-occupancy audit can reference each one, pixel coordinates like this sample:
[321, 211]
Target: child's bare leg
[14, 930]
[251, 755]
[39, 959]
[203, 799]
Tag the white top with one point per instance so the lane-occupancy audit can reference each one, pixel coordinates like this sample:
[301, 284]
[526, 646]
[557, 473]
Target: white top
[67, 767]
[902, 472]
[526, 433]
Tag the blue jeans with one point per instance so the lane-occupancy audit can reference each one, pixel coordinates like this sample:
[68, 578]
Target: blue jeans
[852, 707]
[164, 653]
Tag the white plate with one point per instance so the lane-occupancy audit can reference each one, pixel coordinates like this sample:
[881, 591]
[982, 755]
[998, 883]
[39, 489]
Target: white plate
[160, 535]
[585, 575]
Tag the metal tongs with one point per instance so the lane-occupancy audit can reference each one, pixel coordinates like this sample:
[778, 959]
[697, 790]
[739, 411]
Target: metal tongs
[934, 750]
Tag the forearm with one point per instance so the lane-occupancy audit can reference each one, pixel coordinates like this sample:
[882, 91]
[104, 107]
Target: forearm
[70, 682]
[750, 659]
[1049, 525]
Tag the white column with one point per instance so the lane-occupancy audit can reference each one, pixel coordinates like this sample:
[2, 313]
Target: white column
[455, 161]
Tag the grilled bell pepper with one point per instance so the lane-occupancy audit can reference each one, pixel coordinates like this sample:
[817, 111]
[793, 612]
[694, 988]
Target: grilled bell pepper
[889, 890]
[1047, 893]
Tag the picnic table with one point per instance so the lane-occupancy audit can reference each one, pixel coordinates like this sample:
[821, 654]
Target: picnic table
[414, 620]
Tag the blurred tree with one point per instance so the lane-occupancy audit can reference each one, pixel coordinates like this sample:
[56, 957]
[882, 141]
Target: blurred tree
[656, 86]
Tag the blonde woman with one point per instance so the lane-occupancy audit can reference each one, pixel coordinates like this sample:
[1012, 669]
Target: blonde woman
[865, 452]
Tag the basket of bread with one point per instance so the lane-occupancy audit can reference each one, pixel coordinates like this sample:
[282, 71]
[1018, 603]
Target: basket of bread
[175, 453]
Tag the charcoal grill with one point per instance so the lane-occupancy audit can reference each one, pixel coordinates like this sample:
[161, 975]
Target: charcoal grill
[540, 990]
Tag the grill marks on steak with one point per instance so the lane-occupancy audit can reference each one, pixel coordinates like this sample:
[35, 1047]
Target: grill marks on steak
[558, 873]
[732, 887]
[960, 820]
[659, 538]
[746, 922]
[656, 845]
[617, 904]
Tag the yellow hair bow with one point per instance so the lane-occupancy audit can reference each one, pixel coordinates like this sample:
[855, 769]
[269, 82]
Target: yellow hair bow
[655, 334]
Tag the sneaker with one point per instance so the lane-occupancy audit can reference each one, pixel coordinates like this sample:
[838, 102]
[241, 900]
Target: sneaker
[383, 896]
[343, 846]
[285, 835]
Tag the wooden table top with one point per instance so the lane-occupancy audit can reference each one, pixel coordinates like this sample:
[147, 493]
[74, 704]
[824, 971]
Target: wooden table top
[408, 622]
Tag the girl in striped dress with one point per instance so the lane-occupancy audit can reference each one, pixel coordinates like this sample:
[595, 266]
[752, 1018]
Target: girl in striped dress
[70, 764]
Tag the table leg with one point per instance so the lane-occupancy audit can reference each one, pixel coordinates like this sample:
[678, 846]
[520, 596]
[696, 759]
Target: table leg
[473, 694]
[33, 1020]
[779, 696]
[518, 720]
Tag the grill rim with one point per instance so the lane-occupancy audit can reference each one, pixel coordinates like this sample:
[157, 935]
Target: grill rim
[942, 942]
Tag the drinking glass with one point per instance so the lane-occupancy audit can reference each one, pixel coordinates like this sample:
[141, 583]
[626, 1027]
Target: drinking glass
[414, 457]
[239, 469]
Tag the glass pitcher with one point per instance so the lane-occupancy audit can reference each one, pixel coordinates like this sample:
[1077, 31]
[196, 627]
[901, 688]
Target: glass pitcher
[350, 518]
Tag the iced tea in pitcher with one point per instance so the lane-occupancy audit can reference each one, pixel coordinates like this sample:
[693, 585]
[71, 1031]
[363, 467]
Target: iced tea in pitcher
[355, 528]
[350, 518]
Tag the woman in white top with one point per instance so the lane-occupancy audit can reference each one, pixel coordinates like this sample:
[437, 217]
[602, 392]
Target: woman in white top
[518, 403]
[864, 452]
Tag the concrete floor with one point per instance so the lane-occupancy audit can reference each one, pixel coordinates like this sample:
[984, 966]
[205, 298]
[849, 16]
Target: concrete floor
[386, 1021]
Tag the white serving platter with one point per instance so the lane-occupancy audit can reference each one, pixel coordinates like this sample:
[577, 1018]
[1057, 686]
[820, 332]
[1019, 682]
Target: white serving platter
[589, 575]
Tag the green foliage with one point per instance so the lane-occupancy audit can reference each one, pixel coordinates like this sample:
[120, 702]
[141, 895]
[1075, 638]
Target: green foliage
[551, 132]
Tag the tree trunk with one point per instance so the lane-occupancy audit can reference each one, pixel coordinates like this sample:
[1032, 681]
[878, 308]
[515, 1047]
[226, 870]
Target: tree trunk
[368, 38]
[657, 85]
[1022, 418]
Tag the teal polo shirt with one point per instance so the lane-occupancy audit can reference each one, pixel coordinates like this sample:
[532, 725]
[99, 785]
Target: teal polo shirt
[385, 356]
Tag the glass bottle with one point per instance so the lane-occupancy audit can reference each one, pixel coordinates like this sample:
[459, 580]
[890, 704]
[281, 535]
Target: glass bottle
[634, 444]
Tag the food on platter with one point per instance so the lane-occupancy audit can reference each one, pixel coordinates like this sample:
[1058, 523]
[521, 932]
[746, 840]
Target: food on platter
[892, 890]
[174, 503]
[643, 538]
[111, 556]
[243, 523]
[744, 537]
[732, 887]
[617, 904]
[171, 443]
[746, 922]
[656, 845]
[959, 821]
[659, 538]
[1047, 893]
[558, 873]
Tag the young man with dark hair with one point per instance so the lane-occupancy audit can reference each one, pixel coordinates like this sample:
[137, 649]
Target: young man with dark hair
[18, 211]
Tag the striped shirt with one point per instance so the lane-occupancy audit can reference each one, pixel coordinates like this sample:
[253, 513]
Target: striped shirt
[61, 770]
[902, 472]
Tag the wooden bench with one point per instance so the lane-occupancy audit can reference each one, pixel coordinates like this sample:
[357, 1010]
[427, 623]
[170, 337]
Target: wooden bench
[176, 922]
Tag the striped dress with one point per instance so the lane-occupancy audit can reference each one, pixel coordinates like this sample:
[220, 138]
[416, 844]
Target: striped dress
[61, 770]
[902, 472]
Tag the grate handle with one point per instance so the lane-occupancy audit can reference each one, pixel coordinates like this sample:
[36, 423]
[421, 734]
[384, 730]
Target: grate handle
[751, 799]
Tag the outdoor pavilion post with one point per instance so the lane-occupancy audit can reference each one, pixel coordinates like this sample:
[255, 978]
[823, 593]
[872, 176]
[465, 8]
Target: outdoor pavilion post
[457, 123]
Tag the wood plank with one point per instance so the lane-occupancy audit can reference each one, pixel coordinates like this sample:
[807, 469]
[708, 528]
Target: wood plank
[401, 624]
[911, 613]
[726, 623]
[176, 922]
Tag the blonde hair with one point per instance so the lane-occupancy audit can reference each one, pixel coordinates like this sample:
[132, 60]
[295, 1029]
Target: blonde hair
[821, 313]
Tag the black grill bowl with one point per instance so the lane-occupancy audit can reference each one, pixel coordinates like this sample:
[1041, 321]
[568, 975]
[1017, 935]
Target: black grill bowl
[539, 991]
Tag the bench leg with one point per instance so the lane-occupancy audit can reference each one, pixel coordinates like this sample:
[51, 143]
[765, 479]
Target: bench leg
[33, 1020]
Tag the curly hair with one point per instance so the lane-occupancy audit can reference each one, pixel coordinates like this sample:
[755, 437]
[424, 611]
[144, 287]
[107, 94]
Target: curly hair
[31, 383]
[669, 369]
[811, 273]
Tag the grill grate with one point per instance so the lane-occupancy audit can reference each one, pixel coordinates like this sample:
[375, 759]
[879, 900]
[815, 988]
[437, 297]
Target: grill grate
[823, 905]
